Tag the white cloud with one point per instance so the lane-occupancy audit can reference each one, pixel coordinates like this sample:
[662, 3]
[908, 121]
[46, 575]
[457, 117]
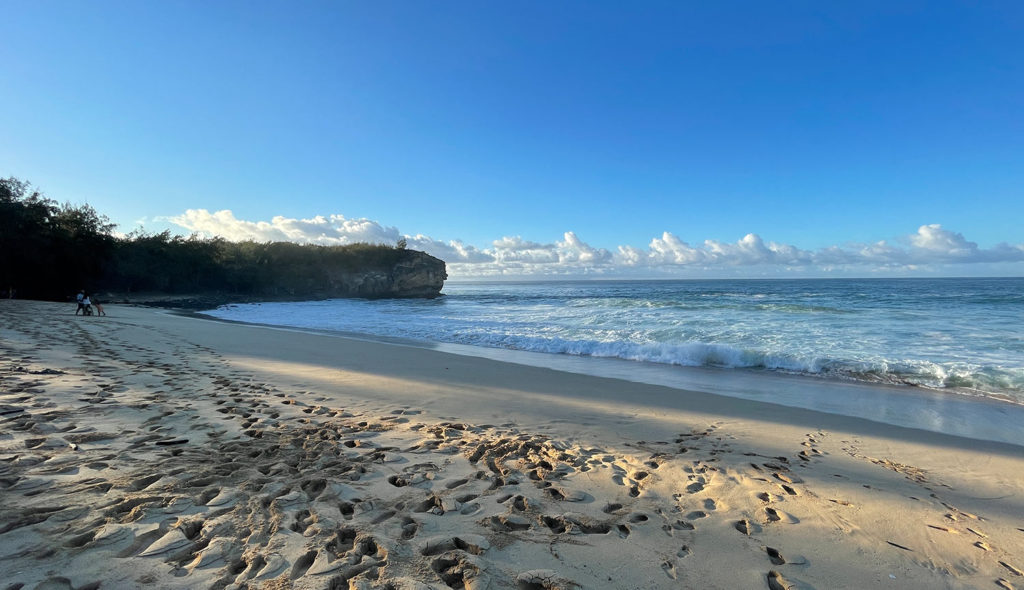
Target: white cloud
[750, 250]
[931, 246]
[574, 250]
[332, 230]
[629, 256]
[453, 251]
[669, 249]
[516, 249]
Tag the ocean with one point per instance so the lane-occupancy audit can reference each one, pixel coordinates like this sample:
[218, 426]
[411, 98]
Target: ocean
[960, 336]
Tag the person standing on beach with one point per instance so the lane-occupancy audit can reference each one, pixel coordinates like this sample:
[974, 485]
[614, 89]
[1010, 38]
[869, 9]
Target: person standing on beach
[98, 306]
[79, 298]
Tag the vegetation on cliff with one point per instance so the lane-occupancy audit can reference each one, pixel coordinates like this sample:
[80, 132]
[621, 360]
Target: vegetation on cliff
[50, 251]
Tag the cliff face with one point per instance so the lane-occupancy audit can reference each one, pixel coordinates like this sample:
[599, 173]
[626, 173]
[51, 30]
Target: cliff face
[417, 275]
[409, 274]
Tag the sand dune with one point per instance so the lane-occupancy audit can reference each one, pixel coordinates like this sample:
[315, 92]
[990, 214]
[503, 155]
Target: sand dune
[148, 450]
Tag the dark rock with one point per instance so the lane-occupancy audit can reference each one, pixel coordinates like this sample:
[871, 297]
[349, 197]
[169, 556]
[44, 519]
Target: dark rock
[420, 275]
[415, 275]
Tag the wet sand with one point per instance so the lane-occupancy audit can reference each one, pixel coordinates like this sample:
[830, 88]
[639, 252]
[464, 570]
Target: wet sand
[145, 449]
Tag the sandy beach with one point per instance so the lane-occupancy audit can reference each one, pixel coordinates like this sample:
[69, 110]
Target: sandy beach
[152, 450]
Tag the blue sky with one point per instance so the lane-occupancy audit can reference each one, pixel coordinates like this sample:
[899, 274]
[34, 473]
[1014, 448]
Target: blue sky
[496, 134]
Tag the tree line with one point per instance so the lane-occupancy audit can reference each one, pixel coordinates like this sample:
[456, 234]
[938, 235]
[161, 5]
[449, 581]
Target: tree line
[50, 251]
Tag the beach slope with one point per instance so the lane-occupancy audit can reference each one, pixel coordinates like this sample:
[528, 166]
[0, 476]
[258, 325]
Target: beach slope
[152, 450]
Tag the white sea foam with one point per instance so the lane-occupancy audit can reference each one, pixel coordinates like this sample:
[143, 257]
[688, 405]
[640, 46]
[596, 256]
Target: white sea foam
[960, 335]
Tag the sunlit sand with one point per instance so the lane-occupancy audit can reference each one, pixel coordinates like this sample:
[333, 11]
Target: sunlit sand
[146, 449]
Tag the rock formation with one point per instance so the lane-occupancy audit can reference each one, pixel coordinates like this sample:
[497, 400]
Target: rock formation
[413, 274]
[417, 275]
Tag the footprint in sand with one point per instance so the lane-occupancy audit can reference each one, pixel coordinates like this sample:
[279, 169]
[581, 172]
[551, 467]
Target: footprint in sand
[409, 528]
[467, 508]
[302, 521]
[638, 517]
[777, 582]
[455, 570]
[562, 524]
[474, 544]
[682, 525]
[314, 487]
[543, 580]
[1012, 568]
[519, 503]
[347, 509]
[746, 527]
[563, 495]
[775, 515]
[508, 523]
[303, 563]
[454, 484]
[809, 454]
[432, 504]
[350, 554]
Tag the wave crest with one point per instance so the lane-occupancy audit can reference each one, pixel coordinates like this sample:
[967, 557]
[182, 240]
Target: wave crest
[960, 377]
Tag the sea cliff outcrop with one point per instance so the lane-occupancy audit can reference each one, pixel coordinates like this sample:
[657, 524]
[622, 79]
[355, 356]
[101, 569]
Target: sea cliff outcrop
[404, 274]
[418, 275]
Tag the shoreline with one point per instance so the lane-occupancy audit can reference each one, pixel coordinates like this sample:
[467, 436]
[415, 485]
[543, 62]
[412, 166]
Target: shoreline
[962, 357]
[148, 448]
[974, 417]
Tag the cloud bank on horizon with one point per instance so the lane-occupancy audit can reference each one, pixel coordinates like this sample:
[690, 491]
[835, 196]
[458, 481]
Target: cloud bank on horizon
[931, 248]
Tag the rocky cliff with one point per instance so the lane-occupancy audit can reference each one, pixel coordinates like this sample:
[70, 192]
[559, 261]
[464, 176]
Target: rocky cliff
[405, 274]
[418, 274]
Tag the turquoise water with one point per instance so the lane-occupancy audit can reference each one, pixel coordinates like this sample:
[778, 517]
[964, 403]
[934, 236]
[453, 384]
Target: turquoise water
[962, 336]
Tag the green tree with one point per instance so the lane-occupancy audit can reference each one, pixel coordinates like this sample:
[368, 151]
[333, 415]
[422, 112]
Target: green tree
[49, 250]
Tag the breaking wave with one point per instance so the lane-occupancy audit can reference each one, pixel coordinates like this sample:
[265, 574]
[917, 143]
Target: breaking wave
[960, 335]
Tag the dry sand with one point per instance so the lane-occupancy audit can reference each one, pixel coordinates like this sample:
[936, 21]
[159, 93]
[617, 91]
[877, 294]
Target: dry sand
[149, 450]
